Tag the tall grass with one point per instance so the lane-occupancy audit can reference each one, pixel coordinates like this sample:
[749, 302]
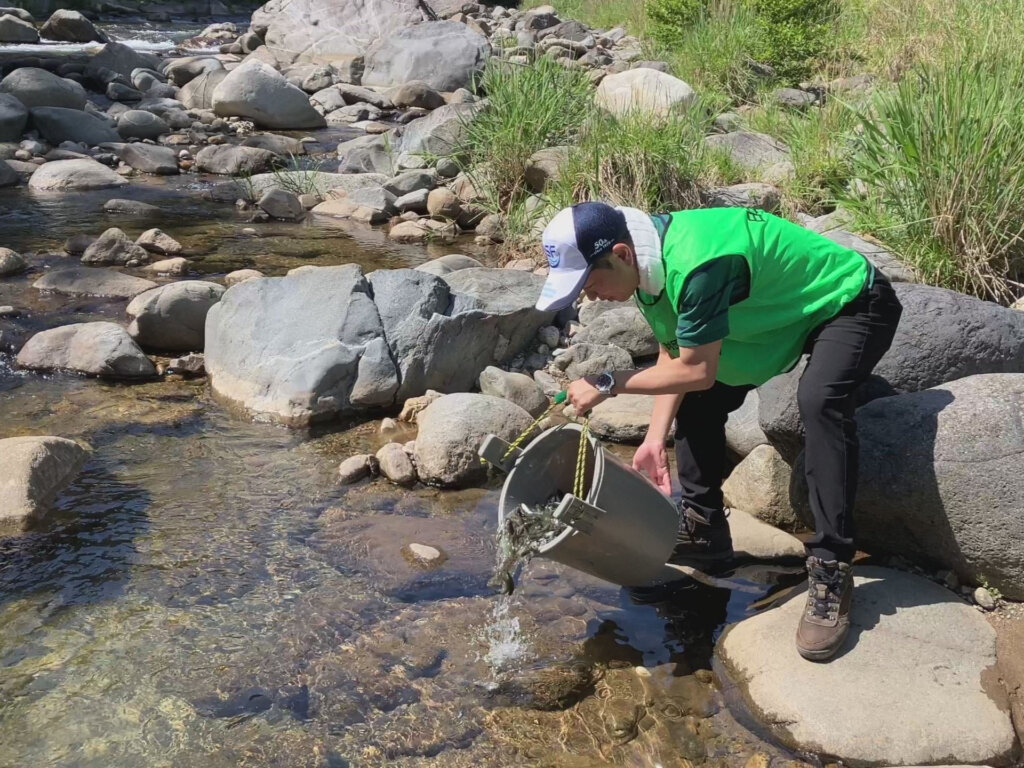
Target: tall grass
[943, 158]
[529, 107]
[603, 14]
[654, 165]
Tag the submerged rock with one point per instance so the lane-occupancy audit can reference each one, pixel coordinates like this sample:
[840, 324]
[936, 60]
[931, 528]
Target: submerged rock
[89, 281]
[913, 648]
[114, 247]
[353, 469]
[396, 465]
[96, 349]
[33, 471]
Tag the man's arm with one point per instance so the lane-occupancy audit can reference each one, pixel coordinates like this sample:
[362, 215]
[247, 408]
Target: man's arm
[695, 369]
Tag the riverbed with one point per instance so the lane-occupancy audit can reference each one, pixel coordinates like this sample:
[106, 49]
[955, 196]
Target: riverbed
[206, 594]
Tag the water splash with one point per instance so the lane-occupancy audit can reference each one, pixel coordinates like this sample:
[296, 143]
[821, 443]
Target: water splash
[506, 645]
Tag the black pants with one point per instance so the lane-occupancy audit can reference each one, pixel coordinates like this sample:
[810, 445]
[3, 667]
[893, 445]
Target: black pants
[843, 352]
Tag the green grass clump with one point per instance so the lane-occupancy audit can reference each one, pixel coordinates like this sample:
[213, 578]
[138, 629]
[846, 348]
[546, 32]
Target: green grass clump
[634, 160]
[943, 158]
[528, 108]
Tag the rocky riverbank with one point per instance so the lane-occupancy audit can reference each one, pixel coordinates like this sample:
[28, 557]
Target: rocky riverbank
[351, 278]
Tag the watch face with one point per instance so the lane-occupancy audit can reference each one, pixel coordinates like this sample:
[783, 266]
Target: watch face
[605, 382]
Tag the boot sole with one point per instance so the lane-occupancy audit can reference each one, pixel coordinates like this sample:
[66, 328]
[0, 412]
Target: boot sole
[823, 654]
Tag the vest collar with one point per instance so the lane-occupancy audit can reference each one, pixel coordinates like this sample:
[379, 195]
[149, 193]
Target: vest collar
[647, 245]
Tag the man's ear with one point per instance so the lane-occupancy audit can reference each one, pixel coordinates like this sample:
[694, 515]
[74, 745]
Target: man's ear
[624, 252]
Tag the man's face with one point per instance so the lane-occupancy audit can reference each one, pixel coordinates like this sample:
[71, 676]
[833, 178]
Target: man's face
[617, 283]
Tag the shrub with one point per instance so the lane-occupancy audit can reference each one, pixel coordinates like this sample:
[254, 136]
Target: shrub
[669, 20]
[792, 35]
[943, 159]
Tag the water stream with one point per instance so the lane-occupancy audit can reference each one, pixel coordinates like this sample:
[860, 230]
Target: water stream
[205, 593]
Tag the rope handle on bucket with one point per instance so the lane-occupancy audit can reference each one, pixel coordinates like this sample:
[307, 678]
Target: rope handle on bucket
[581, 455]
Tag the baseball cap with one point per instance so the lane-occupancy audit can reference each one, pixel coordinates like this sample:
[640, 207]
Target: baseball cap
[573, 241]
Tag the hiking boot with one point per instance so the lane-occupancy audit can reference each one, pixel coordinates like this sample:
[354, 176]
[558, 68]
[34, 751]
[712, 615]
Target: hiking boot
[826, 619]
[702, 540]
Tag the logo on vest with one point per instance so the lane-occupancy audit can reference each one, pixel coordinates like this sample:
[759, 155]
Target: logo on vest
[554, 259]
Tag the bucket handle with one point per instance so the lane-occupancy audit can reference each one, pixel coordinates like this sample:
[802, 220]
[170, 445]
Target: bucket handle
[499, 454]
[577, 514]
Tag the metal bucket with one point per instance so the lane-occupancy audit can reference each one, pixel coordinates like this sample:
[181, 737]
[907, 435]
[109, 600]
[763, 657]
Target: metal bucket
[623, 531]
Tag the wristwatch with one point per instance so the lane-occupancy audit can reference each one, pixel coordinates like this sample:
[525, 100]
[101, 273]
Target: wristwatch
[605, 384]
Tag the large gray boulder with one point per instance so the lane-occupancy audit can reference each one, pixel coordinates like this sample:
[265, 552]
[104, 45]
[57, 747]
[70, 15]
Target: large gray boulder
[8, 176]
[288, 348]
[33, 470]
[259, 92]
[623, 418]
[149, 158]
[14, 30]
[446, 55]
[229, 160]
[440, 133]
[451, 430]
[444, 332]
[72, 27]
[90, 281]
[182, 71]
[57, 124]
[63, 175]
[331, 31]
[645, 91]
[172, 318]
[96, 349]
[914, 649]
[942, 336]
[35, 87]
[939, 479]
[13, 117]
[624, 328]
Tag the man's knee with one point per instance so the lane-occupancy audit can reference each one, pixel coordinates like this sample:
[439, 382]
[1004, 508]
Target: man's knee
[821, 403]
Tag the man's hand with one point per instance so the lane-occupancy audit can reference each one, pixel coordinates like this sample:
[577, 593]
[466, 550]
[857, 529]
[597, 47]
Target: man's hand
[583, 395]
[651, 460]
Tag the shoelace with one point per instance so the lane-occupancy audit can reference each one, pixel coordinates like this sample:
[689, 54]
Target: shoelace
[824, 588]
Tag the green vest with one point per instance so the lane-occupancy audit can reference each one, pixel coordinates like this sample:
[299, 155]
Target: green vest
[798, 279]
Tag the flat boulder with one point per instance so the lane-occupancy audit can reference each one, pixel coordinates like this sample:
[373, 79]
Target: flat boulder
[645, 91]
[279, 145]
[36, 87]
[71, 27]
[228, 160]
[623, 418]
[172, 317]
[443, 265]
[33, 470]
[445, 55]
[149, 158]
[451, 430]
[89, 281]
[288, 348]
[65, 175]
[13, 118]
[95, 349]
[320, 184]
[260, 93]
[939, 479]
[751, 151]
[914, 648]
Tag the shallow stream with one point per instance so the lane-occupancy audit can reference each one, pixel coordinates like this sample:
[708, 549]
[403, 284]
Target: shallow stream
[205, 593]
